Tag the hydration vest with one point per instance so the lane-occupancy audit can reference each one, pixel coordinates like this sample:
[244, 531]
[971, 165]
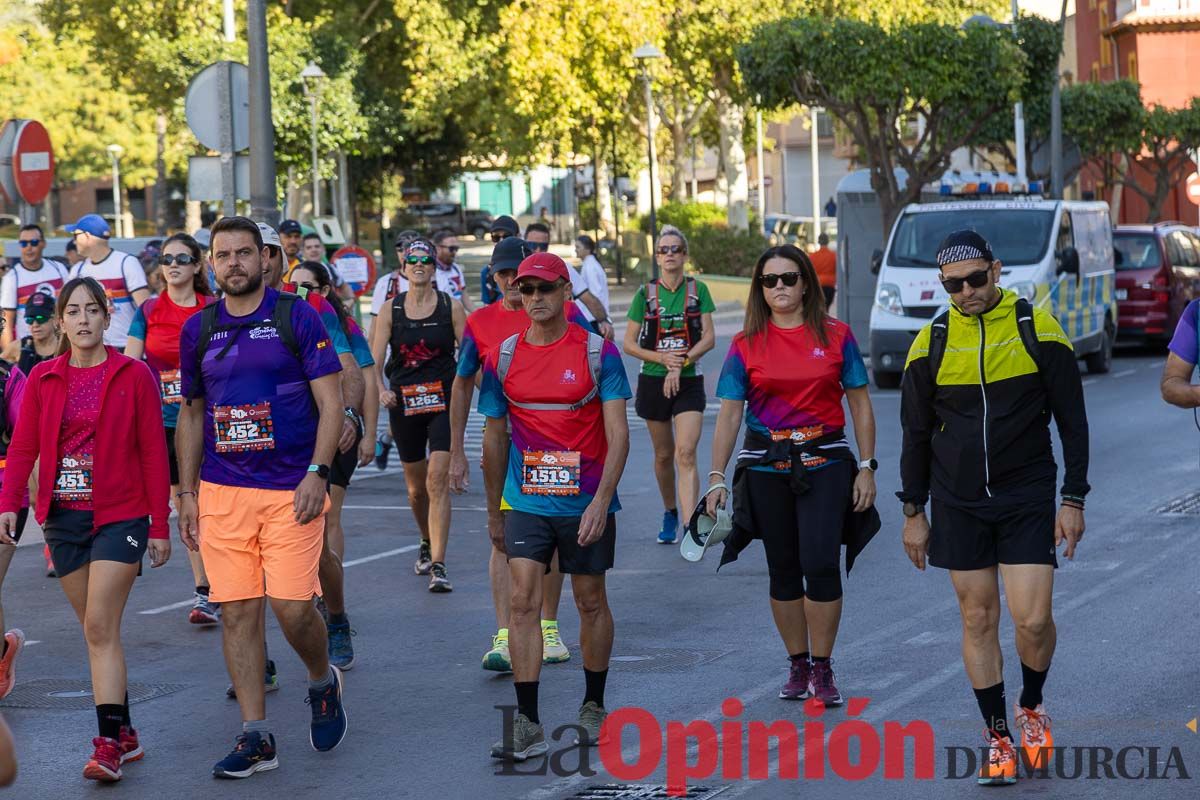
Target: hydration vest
[595, 349]
[693, 317]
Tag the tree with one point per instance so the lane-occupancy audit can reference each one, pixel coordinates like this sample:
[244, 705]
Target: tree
[1169, 136]
[909, 95]
[1103, 120]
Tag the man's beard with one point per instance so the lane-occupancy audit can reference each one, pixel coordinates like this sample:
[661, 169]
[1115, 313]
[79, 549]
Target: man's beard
[254, 279]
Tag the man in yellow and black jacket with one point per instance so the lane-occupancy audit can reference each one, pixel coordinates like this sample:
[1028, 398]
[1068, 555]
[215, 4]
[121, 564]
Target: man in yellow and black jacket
[980, 386]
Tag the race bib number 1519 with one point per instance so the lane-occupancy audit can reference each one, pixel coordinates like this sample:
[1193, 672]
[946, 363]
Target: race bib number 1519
[551, 472]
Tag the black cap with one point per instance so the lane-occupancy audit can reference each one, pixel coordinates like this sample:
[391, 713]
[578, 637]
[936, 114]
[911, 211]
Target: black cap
[963, 245]
[71, 247]
[509, 253]
[39, 304]
[289, 226]
[507, 224]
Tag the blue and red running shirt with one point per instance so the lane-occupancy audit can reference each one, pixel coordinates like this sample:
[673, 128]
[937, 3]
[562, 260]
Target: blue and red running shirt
[157, 322]
[260, 421]
[791, 383]
[556, 457]
[490, 325]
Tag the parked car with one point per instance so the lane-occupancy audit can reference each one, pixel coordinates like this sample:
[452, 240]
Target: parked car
[478, 222]
[430, 217]
[1158, 274]
[773, 228]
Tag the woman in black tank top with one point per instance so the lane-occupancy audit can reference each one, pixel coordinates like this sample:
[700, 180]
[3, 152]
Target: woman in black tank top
[422, 328]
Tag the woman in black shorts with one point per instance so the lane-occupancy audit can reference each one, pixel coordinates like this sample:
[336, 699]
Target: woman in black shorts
[423, 327]
[12, 389]
[670, 328]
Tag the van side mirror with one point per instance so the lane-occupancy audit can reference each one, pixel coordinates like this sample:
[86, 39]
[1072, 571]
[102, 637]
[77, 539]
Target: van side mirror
[876, 261]
[1068, 261]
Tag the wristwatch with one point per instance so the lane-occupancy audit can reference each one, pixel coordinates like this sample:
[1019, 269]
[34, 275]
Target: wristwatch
[913, 510]
[869, 463]
[322, 470]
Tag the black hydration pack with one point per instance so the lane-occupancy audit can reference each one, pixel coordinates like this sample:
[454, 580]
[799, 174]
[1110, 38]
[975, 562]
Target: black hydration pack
[940, 329]
[651, 322]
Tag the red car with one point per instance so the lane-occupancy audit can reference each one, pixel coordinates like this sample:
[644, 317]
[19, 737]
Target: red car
[1158, 274]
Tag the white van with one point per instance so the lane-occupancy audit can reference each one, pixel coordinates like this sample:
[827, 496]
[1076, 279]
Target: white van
[1056, 253]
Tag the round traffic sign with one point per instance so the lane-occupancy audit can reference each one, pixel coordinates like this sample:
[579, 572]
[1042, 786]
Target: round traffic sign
[203, 108]
[356, 266]
[1193, 188]
[33, 162]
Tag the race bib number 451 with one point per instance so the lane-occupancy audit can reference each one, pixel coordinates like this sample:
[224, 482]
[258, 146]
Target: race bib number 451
[241, 429]
[74, 480]
[423, 398]
[551, 472]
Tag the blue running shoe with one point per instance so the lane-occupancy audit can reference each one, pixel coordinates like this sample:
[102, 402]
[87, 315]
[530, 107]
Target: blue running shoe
[254, 752]
[328, 716]
[341, 650]
[670, 526]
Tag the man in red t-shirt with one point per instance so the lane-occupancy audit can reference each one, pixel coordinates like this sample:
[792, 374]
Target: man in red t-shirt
[824, 261]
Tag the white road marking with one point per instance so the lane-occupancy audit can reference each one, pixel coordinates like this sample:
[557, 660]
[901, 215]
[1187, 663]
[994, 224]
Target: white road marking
[1125, 373]
[1089, 381]
[409, 508]
[171, 607]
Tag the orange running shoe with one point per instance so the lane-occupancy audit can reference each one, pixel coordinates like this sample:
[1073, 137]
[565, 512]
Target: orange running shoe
[1000, 769]
[15, 640]
[105, 763]
[1036, 740]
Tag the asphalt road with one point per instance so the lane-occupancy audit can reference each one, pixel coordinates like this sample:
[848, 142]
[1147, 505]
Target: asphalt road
[422, 711]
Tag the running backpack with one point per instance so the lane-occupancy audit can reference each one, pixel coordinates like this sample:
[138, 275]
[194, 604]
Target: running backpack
[281, 321]
[693, 316]
[595, 345]
[939, 331]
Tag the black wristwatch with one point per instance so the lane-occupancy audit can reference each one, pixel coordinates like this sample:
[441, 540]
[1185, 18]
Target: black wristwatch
[913, 510]
[322, 470]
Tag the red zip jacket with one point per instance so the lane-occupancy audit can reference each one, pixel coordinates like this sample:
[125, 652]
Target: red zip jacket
[130, 478]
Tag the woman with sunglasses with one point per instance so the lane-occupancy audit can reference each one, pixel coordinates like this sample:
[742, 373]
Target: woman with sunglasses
[40, 345]
[423, 327]
[154, 336]
[91, 423]
[670, 328]
[789, 369]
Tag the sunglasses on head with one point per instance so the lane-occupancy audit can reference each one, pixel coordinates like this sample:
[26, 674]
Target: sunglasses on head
[772, 280]
[976, 280]
[671, 249]
[29, 242]
[418, 260]
[540, 287]
[183, 259]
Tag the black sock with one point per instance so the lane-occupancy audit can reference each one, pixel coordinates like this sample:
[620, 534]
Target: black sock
[819, 659]
[674, 511]
[125, 717]
[594, 686]
[1031, 692]
[202, 590]
[527, 700]
[338, 619]
[109, 717]
[994, 708]
[799, 656]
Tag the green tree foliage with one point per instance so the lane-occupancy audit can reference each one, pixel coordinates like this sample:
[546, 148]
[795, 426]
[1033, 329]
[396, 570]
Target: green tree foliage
[1103, 120]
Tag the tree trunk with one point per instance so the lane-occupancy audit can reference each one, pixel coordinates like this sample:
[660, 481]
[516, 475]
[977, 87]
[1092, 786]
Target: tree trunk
[160, 184]
[731, 120]
[604, 207]
[679, 154]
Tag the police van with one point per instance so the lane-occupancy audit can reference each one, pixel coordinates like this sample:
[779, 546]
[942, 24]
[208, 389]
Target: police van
[1056, 253]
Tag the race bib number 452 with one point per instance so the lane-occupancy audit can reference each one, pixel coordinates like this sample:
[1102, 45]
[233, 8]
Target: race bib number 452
[240, 429]
[551, 472]
[423, 398]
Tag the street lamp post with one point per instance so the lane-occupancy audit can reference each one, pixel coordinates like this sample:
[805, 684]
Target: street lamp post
[1018, 108]
[114, 153]
[313, 77]
[643, 54]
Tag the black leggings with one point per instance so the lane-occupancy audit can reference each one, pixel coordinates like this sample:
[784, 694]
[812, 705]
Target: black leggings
[802, 534]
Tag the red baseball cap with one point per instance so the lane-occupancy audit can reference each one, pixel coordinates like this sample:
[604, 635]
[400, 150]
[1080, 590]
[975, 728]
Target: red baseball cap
[546, 266]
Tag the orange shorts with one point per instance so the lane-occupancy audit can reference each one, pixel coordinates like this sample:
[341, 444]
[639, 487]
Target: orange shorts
[249, 539]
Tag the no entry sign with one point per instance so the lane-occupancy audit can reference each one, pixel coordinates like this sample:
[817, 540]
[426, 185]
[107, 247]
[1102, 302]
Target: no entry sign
[33, 162]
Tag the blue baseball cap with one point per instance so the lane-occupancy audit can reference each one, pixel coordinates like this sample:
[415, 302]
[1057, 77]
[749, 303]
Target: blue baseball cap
[290, 226]
[94, 224]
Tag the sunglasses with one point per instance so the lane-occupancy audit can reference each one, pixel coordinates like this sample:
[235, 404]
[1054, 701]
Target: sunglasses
[452, 249]
[671, 249]
[772, 280]
[976, 280]
[541, 288]
[309, 286]
[538, 247]
[498, 236]
[40, 319]
[183, 259]
[418, 260]
[29, 242]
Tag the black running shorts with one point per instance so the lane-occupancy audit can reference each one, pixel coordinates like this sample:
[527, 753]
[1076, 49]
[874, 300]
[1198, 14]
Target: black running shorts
[172, 459]
[343, 466]
[977, 538]
[73, 544]
[419, 434]
[537, 538]
[22, 518]
[652, 405]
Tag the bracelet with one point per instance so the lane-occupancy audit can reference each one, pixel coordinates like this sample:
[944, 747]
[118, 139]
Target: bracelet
[1069, 504]
[181, 494]
[716, 472]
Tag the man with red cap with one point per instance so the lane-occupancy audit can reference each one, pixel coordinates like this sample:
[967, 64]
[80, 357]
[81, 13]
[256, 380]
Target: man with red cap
[563, 391]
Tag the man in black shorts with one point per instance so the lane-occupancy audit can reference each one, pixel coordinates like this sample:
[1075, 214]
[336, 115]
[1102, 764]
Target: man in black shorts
[986, 376]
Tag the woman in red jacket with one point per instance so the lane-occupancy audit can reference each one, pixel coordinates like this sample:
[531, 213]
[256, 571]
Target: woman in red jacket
[93, 417]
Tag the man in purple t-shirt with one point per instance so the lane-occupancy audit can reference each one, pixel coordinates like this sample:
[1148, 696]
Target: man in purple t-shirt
[255, 440]
[1177, 387]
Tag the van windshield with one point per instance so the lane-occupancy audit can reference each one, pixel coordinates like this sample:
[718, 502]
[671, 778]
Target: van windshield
[1139, 251]
[1017, 236]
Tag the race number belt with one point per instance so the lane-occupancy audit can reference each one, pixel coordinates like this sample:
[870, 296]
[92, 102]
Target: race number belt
[799, 436]
[551, 472]
[74, 481]
[244, 428]
[171, 386]
[675, 342]
[423, 398]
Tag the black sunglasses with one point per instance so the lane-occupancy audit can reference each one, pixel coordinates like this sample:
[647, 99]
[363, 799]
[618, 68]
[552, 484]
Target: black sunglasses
[452, 248]
[498, 236]
[976, 280]
[29, 242]
[40, 319]
[540, 288]
[419, 260]
[309, 286]
[183, 259]
[772, 280]
[538, 247]
[671, 249]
